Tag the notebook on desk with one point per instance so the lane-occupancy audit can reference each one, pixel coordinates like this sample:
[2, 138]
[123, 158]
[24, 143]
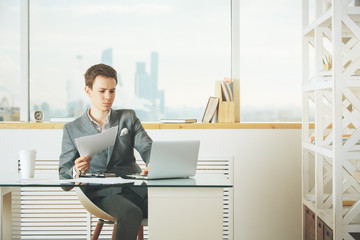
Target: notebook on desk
[172, 159]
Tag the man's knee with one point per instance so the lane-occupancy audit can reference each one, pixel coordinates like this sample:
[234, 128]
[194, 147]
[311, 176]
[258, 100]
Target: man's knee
[133, 214]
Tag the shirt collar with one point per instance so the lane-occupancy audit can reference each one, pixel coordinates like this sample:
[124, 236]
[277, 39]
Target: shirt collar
[96, 125]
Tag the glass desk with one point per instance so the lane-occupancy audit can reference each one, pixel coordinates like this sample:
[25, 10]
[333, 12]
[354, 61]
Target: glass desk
[200, 180]
[190, 208]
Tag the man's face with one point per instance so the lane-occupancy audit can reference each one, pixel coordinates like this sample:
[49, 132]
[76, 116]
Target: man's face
[102, 94]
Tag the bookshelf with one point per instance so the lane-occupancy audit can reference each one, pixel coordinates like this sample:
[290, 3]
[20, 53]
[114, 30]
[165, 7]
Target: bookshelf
[331, 93]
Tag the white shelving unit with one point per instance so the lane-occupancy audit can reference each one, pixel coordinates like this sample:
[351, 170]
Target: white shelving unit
[331, 113]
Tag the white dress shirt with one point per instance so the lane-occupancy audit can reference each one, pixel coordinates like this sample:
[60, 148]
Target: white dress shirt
[97, 126]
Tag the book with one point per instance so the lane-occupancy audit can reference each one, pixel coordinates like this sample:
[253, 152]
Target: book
[179, 120]
[211, 109]
[230, 91]
[229, 86]
[225, 92]
[215, 117]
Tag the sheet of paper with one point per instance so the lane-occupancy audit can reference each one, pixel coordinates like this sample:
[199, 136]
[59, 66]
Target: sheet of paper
[93, 144]
[111, 180]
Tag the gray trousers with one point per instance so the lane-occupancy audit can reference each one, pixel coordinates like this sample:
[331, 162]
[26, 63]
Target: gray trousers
[128, 208]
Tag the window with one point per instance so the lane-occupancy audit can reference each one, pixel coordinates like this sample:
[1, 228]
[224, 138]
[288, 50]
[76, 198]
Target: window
[168, 54]
[270, 61]
[10, 60]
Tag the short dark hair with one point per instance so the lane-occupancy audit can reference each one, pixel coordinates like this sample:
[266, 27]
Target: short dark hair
[99, 69]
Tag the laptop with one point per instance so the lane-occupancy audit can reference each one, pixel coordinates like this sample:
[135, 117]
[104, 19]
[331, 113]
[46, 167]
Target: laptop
[172, 159]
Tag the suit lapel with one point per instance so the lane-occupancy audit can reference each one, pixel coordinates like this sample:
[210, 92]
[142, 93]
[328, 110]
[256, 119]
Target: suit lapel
[87, 125]
[114, 121]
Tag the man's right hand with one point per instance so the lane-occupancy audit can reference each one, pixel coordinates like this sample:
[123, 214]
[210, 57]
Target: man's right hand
[82, 164]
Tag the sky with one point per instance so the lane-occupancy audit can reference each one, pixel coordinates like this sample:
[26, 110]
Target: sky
[270, 53]
[192, 39]
[184, 39]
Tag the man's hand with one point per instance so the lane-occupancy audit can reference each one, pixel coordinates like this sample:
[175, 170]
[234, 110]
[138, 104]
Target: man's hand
[146, 171]
[82, 164]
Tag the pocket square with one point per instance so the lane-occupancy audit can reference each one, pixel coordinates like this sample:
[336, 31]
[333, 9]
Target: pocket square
[124, 131]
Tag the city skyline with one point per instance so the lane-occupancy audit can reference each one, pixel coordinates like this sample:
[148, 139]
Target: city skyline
[148, 110]
[152, 109]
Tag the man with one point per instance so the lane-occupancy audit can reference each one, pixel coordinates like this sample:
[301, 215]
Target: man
[128, 205]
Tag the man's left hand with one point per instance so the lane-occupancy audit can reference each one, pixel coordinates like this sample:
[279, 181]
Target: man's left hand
[146, 171]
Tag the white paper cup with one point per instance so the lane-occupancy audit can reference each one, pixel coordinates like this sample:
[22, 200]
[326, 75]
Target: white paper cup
[27, 163]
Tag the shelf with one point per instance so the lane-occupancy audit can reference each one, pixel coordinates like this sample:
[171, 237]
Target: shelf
[309, 147]
[326, 82]
[325, 151]
[354, 12]
[336, 32]
[326, 214]
[318, 86]
[324, 20]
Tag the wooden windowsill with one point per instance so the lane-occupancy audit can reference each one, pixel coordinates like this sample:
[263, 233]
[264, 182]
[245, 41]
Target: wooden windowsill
[23, 125]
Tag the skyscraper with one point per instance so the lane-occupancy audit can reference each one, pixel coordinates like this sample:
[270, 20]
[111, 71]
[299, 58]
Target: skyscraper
[154, 72]
[146, 87]
[107, 57]
[143, 83]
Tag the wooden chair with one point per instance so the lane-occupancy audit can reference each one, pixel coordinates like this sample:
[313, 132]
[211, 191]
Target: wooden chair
[103, 216]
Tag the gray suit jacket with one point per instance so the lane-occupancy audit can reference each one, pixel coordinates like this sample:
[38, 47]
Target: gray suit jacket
[117, 159]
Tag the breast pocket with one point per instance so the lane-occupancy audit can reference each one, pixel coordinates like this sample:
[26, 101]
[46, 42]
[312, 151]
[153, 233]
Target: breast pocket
[125, 142]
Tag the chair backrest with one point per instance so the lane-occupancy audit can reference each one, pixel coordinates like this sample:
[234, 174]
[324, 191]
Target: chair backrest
[91, 207]
[85, 201]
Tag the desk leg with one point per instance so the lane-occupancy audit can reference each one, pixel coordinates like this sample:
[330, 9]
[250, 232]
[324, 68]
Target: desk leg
[6, 214]
[185, 213]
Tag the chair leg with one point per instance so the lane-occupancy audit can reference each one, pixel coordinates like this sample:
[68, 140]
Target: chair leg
[141, 233]
[113, 233]
[97, 231]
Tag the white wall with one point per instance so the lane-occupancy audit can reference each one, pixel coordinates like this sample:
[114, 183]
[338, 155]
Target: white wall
[267, 172]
